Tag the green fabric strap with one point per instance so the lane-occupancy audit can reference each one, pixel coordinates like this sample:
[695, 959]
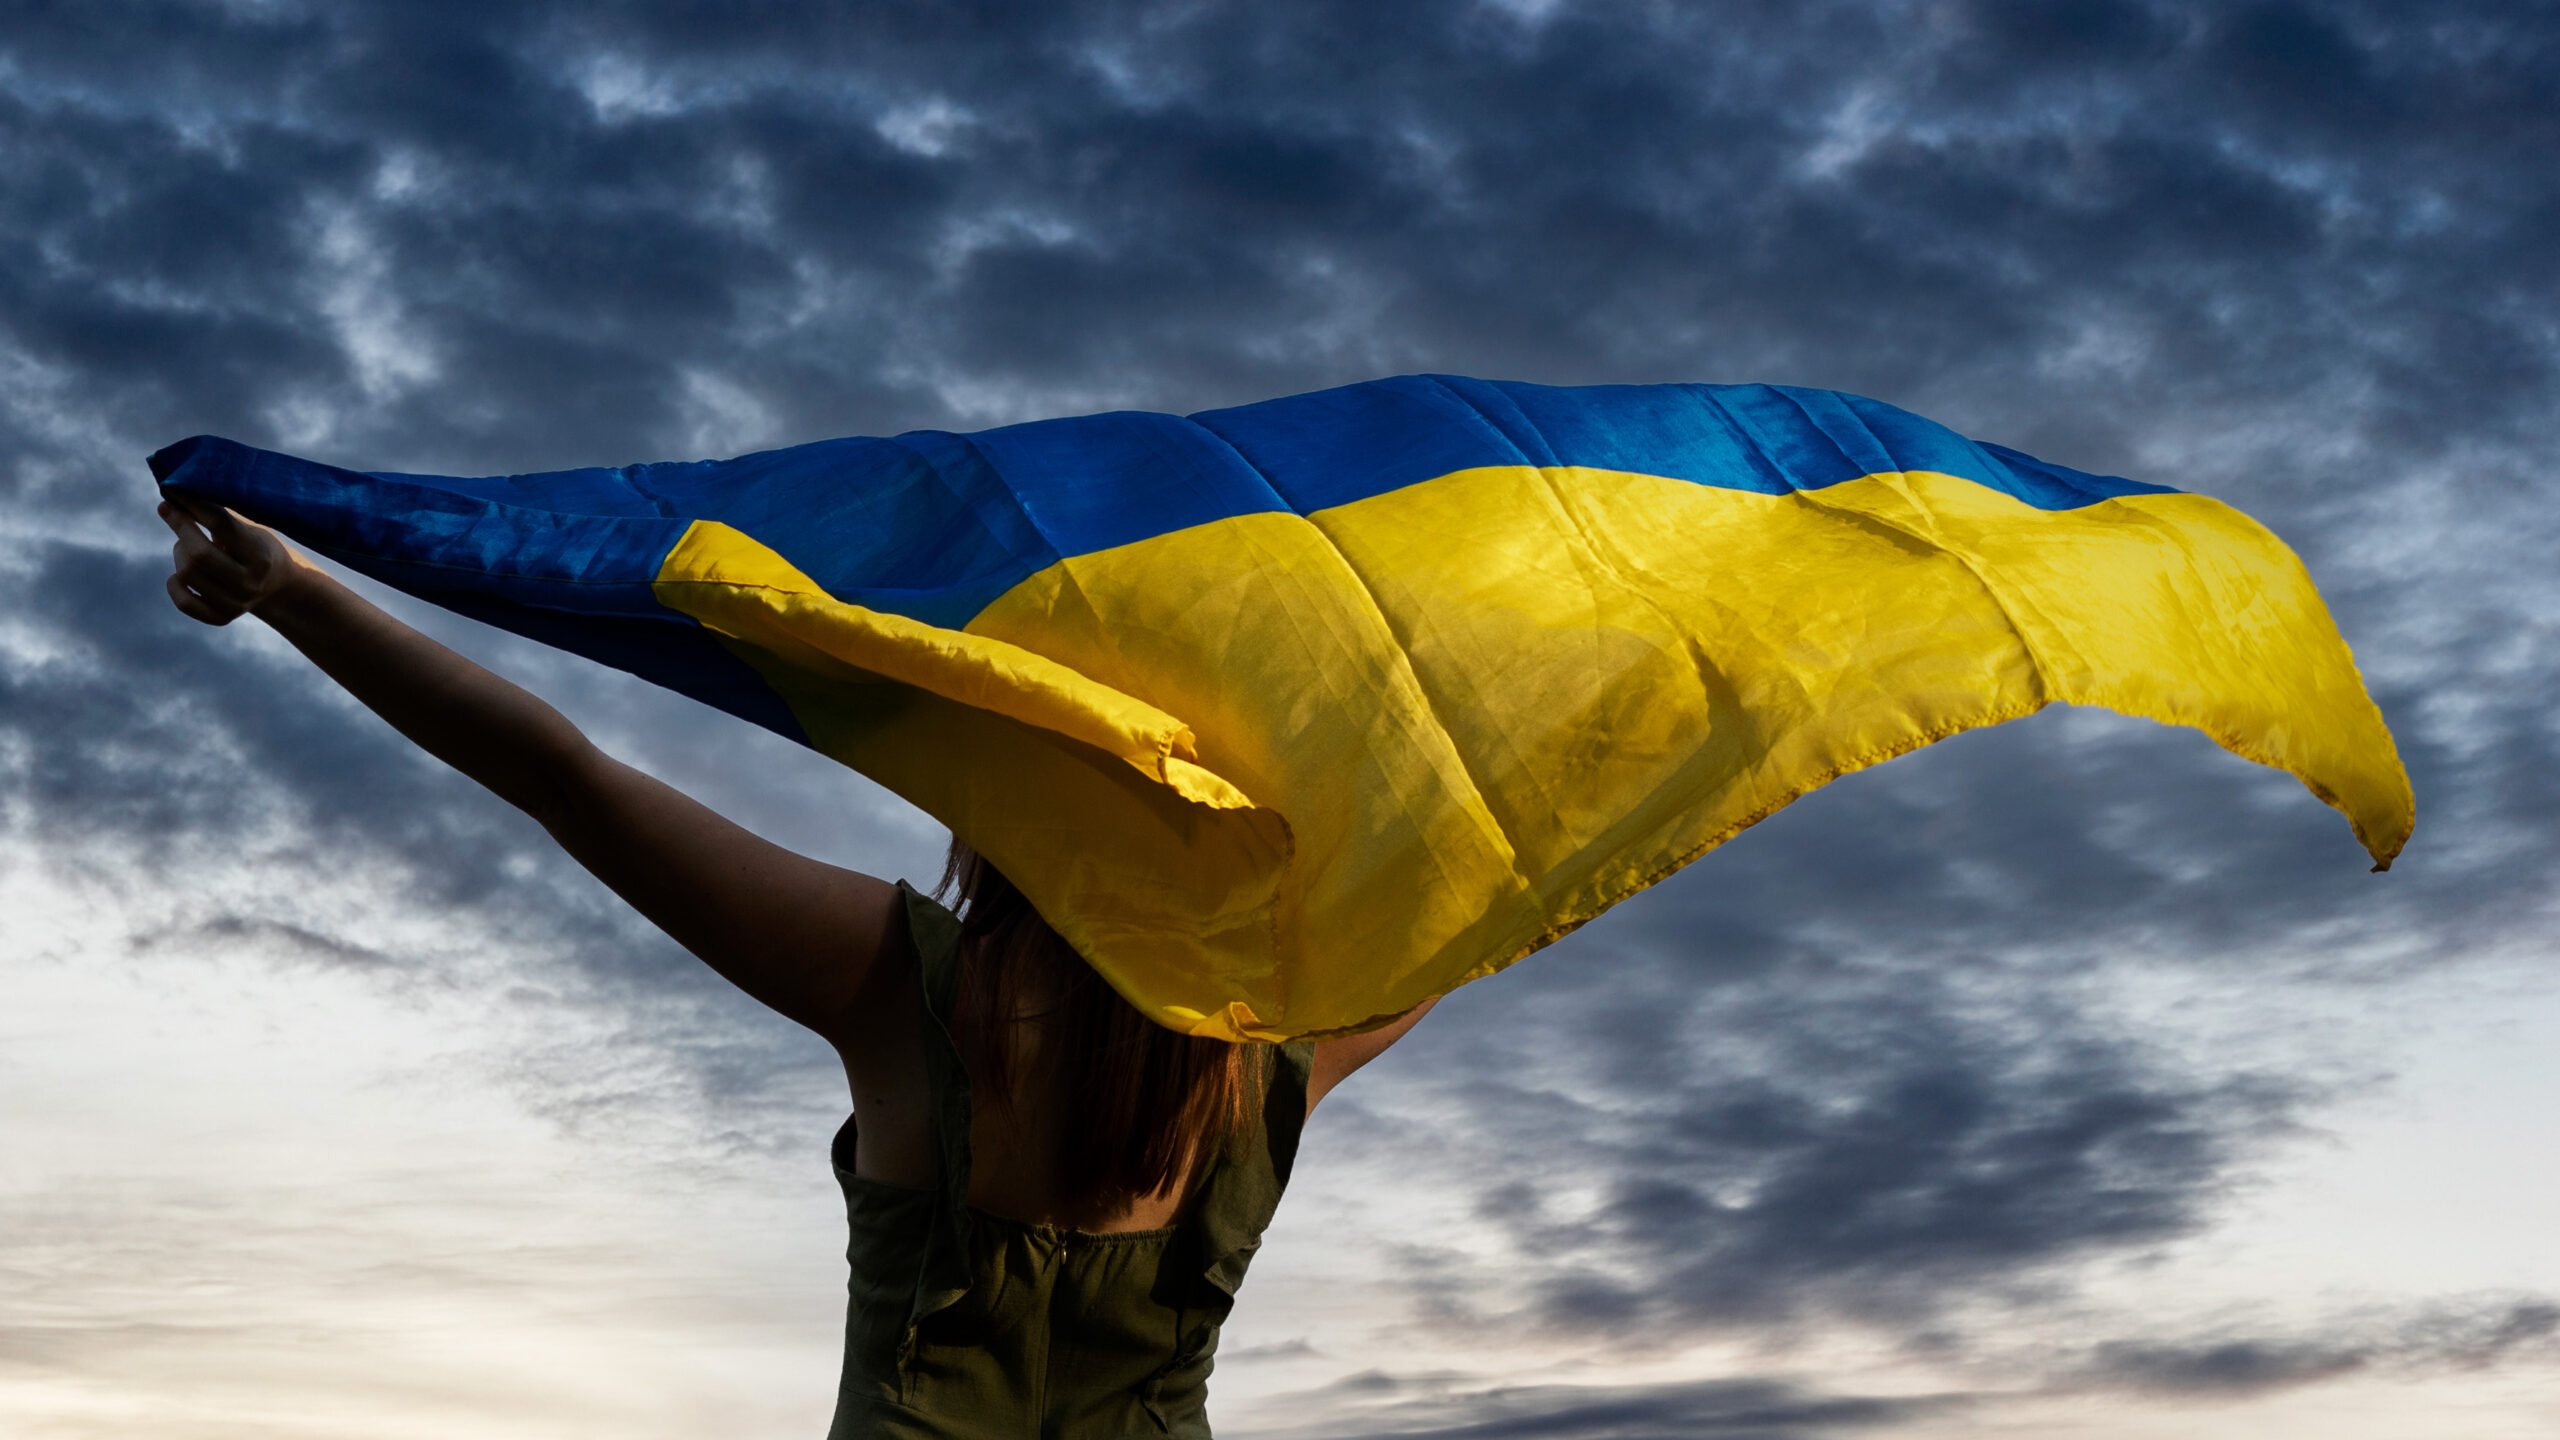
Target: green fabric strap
[944, 1276]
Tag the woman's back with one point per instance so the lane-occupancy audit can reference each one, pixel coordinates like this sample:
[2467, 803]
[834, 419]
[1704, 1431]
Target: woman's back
[968, 1321]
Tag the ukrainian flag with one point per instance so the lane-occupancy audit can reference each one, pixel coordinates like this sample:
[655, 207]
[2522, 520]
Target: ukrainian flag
[1292, 716]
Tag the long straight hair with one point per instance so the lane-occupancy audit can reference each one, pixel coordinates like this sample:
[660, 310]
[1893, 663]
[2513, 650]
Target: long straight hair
[1138, 1103]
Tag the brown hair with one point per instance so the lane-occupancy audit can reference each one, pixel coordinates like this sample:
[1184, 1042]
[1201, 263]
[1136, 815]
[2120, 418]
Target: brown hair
[1137, 1102]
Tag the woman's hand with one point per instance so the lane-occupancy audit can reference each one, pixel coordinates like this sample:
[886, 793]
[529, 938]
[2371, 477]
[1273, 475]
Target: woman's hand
[225, 566]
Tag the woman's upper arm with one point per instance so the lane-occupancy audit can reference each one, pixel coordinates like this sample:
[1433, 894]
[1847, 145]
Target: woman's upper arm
[1336, 1060]
[798, 934]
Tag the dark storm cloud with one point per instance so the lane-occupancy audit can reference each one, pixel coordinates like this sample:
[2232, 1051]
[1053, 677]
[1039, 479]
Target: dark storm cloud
[1809, 1133]
[2465, 1337]
[1860, 1063]
[1377, 1403]
[1175, 207]
[1730, 1410]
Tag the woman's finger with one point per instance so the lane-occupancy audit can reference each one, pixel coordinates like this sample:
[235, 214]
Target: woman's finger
[217, 523]
[210, 573]
[225, 524]
[196, 607]
[194, 508]
[197, 558]
[227, 529]
[177, 519]
[259, 550]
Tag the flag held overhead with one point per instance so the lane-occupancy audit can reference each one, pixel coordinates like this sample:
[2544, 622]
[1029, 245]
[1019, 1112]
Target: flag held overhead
[1294, 715]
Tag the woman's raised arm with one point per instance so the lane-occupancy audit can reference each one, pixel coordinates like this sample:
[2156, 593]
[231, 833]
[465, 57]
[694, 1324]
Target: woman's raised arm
[1336, 1060]
[799, 935]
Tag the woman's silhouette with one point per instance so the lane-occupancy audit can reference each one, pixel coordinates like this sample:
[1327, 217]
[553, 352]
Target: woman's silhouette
[1052, 1199]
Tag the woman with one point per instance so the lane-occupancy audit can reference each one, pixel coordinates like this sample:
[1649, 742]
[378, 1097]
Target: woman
[1052, 1199]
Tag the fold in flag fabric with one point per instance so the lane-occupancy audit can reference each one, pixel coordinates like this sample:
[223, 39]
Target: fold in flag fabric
[1292, 716]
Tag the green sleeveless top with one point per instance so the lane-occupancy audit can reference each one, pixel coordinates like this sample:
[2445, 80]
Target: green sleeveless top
[966, 1324]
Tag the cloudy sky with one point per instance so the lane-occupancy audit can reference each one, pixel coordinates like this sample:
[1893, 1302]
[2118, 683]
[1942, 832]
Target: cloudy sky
[2068, 1079]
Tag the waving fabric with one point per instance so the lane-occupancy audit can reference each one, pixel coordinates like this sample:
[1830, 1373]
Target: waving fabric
[1294, 715]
